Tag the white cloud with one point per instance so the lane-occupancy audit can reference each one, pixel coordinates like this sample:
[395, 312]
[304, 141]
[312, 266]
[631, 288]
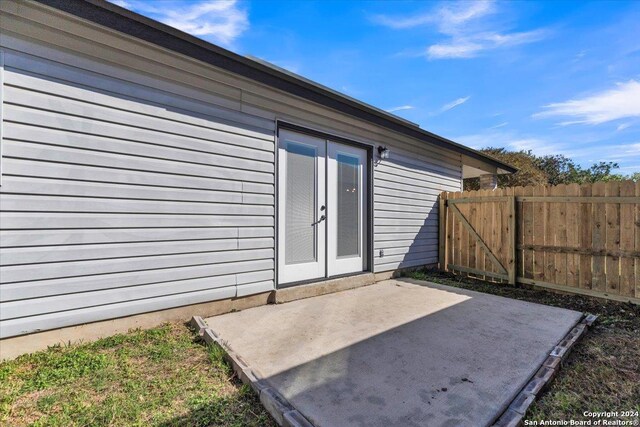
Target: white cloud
[623, 126]
[454, 104]
[628, 149]
[623, 152]
[223, 21]
[446, 17]
[467, 33]
[400, 108]
[471, 45]
[499, 125]
[619, 103]
[515, 141]
[459, 49]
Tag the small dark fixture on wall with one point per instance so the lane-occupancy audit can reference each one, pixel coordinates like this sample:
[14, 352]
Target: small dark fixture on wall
[383, 152]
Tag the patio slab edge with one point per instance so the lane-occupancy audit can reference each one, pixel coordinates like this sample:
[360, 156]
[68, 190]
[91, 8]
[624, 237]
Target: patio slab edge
[280, 409]
[514, 415]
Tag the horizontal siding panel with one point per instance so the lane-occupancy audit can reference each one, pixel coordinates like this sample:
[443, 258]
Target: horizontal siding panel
[431, 189]
[212, 142]
[25, 273]
[118, 110]
[402, 183]
[30, 220]
[58, 187]
[17, 309]
[409, 196]
[35, 203]
[414, 249]
[52, 153]
[24, 66]
[423, 255]
[421, 234]
[72, 139]
[81, 172]
[401, 222]
[32, 238]
[386, 229]
[246, 232]
[253, 187]
[425, 217]
[438, 164]
[255, 276]
[25, 325]
[47, 254]
[423, 241]
[393, 170]
[416, 167]
[90, 118]
[401, 203]
[392, 207]
[213, 92]
[255, 288]
[43, 288]
[406, 264]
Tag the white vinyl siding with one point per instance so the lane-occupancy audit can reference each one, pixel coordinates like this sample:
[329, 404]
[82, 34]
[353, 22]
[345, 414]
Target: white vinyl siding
[406, 189]
[118, 198]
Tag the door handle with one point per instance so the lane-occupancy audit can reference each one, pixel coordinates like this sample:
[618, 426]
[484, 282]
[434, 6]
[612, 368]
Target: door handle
[322, 218]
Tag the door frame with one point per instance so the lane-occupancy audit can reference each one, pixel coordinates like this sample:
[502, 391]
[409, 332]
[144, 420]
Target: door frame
[369, 148]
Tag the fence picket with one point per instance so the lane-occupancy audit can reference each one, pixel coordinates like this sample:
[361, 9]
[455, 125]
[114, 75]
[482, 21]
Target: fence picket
[524, 217]
[612, 242]
[549, 237]
[599, 237]
[627, 235]
[560, 230]
[538, 234]
[586, 236]
[473, 247]
[573, 230]
[637, 233]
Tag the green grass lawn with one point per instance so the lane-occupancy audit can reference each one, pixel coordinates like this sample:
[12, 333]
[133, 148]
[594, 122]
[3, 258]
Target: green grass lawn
[162, 376]
[602, 373]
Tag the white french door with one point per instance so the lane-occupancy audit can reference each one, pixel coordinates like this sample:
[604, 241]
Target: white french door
[346, 205]
[322, 210]
[301, 207]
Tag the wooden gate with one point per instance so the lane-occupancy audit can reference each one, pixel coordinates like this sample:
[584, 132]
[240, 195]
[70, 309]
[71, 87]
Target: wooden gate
[575, 238]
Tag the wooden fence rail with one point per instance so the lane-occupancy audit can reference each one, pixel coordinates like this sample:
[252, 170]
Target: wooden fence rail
[575, 238]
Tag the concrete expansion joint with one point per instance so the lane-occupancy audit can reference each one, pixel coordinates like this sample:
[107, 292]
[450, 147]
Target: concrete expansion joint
[515, 413]
[276, 404]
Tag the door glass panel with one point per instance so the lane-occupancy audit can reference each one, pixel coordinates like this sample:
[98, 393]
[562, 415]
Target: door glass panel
[300, 235]
[348, 206]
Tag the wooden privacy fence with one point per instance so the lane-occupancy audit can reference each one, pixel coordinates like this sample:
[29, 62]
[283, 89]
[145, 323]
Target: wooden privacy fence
[575, 238]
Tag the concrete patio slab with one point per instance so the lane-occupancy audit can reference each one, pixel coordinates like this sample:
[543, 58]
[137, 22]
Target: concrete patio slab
[397, 353]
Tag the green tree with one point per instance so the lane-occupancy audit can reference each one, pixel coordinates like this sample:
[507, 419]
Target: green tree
[529, 173]
[548, 170]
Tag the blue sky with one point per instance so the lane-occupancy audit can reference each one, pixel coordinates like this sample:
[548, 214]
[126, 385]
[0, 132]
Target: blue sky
[554, 77]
